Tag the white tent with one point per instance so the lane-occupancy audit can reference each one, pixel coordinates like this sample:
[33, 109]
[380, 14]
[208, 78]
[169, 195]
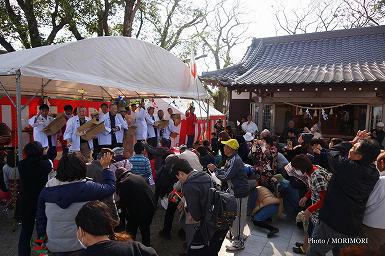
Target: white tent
[180, 106]
[101, 67]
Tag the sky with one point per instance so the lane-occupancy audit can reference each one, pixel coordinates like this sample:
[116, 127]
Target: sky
[263, 24]
[261, 15]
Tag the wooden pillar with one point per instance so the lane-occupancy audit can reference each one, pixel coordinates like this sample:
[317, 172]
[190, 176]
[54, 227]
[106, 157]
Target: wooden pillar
[260, 115]
[272, 130]
[368, 117]
[383, 113]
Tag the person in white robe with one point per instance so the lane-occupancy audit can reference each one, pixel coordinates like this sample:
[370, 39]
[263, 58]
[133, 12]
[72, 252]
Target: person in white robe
[249, 126]
[140, 121]
[115, 125]
[74, 141]
[170, 131]
[39, 122]
[152, 131]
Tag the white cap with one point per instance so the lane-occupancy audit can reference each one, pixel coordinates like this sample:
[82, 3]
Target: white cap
[248, 136]
[380, 124]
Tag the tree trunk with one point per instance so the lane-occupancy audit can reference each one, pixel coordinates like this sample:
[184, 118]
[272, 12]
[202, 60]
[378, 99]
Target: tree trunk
[107, 6]
[33, 28]
[219, 99]
[130, 10]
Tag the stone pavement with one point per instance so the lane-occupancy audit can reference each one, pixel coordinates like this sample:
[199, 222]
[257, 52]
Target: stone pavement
[256, 244]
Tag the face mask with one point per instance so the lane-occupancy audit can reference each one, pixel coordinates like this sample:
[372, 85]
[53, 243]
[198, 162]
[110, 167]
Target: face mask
[80, 241]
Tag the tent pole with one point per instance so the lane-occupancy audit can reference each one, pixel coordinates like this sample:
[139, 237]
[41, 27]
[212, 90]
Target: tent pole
[199, 104]
[208, 130]
[18, 114]
[8, 95]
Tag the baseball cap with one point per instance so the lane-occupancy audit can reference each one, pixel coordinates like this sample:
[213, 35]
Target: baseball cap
[118, 151]
[233, 144]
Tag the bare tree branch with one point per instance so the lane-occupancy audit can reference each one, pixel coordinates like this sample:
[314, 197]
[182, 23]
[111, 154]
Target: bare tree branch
[329, 15]
[223, 29]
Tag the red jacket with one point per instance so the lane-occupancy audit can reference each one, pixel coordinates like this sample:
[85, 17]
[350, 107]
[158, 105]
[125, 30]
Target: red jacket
[191, 120]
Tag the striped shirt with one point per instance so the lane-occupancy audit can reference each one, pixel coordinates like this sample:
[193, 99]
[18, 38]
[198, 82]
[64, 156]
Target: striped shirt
[141, 166]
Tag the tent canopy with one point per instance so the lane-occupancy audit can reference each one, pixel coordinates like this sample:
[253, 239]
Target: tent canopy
[100, 67]
[180, 106]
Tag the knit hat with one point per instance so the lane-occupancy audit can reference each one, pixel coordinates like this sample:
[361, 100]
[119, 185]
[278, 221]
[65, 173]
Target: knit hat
[306, 137]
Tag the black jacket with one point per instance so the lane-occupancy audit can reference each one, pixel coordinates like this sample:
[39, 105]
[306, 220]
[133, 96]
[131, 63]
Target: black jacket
[136, 196]
[95, 172]
[243, 153]
[165, 180]
[159, 154]
[205, 160]
[33, 177]
[118, 248]
[297, 150]
[347, 194]
[322, 159]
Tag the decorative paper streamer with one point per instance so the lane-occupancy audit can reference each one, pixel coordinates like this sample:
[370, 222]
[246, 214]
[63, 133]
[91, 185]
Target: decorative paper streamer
[319, 108]
[324, 114]
[308, 115]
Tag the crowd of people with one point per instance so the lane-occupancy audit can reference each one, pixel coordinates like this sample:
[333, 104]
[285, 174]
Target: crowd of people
[107, 188]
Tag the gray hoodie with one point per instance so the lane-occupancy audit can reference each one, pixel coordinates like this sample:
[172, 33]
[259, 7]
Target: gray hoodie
[195, 189]
[196, 192]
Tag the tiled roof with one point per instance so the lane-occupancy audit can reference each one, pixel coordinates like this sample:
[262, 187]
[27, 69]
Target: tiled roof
[355, 55]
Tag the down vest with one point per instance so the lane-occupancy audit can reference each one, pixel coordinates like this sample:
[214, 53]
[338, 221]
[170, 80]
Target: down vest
[265, 198]
[58, 205]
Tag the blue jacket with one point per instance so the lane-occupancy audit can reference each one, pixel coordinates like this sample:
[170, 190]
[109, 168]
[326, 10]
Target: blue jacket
[235, 176]
[58, 206]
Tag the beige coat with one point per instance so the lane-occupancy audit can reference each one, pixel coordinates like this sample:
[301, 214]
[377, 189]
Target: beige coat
[265, 198]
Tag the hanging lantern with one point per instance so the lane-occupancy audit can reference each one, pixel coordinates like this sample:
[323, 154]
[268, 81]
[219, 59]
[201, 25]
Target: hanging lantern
[331, 112]
[300, 112]
[315, 113]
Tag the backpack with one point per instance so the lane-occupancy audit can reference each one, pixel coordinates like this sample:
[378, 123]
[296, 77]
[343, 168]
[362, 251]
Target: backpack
[222, 209]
